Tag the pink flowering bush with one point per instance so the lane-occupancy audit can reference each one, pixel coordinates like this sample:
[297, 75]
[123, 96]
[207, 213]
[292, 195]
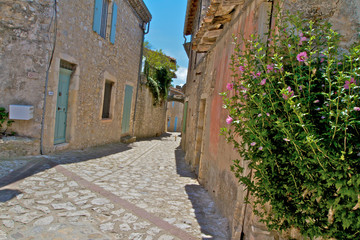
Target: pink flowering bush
[296, 107]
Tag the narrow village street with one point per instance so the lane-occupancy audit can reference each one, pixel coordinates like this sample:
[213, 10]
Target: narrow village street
[142, 190]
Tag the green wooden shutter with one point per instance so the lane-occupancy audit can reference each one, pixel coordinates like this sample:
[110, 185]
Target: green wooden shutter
[125, 125]
[113, 23]
[97, 15]
[184, 118]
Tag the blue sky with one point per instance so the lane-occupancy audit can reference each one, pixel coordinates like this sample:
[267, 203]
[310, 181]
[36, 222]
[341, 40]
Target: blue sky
[166, 32]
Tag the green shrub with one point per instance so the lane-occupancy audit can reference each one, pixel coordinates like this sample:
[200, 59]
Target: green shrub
[4, 121]
[294, 101]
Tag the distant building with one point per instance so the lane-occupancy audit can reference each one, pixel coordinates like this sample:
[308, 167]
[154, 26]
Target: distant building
[211, 25]
[175, 107]
[77, 64]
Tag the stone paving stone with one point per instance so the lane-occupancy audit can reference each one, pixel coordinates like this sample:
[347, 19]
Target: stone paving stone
[136, 191]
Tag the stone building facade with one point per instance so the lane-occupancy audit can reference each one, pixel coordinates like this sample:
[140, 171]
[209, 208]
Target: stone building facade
[77, 63]
[211, 24]
[174, 112]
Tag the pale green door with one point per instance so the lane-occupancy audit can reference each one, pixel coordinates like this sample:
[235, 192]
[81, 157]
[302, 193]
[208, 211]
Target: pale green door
[61, 106]
[125, 124]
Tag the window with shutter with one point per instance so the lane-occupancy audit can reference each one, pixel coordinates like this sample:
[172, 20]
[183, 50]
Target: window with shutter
[104, 15]
[113, 23]
[101, 12]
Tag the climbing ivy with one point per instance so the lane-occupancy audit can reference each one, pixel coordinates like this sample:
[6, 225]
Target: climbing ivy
[294, 117]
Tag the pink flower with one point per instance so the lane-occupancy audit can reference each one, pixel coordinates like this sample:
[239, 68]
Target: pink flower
[264, 94]
[260, 148]
[259, 115]
[347, 83]
[302, 38]
[322, 60]
[287, 140]
[229, 86]
[229, 119]
[300, 87]
[268, 114]
[302, 57]
[290, 93]
[256, 75]
[316, 101]
[263, 81]
[270, 67]
[253, 143]
[242, 68]
[243, 88]
[357, 109]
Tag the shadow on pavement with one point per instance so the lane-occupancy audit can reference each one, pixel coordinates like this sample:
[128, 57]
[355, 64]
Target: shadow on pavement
[212, 224]
[8, 194]
[43, 162]
[161, 137]
[181, 167]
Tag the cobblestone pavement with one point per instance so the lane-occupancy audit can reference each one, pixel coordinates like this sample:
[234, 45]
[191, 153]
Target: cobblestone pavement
[143, 190]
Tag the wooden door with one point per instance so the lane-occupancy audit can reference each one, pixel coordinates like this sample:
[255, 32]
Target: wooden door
[125, 124]
[62, 106]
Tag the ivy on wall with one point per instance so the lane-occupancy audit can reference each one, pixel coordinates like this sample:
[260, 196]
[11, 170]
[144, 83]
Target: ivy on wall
[159, 70]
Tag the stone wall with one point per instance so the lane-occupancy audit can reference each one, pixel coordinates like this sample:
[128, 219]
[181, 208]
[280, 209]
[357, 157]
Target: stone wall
[11, 147]
[96, 60]
[206, 150]
[149, 119]
[27, 31]
[25, 47]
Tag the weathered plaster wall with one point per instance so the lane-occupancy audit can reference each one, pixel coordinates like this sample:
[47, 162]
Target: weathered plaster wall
[149, 119]
[25, 46]
[344, 15]
[95, 60]
[207, 77]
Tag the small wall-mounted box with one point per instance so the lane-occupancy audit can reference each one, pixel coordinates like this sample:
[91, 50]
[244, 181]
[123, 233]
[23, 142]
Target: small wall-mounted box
[21, 112]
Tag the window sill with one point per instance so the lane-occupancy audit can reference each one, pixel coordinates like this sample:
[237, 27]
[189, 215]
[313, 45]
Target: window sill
[106, 120]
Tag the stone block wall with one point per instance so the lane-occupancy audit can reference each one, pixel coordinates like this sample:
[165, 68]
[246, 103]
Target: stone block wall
[26, 41]
[206, 150]
[11, 147]
[25, 47]
[149, 119]
[96, 60]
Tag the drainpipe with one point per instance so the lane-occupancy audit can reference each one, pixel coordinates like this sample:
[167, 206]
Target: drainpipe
[139, 77]
[47, 79]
